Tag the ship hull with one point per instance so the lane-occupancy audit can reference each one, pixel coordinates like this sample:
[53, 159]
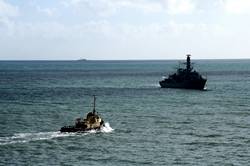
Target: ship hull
[187, 84]
[73, 129]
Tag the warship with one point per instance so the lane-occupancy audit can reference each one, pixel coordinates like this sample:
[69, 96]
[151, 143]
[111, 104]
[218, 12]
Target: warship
[185, 78]
[92, 122]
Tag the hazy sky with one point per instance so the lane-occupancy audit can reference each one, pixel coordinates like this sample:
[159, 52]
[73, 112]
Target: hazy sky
[124, 29]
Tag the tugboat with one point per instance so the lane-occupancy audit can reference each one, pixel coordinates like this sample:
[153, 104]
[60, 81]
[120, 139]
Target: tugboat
[185, 78]
[92, 122]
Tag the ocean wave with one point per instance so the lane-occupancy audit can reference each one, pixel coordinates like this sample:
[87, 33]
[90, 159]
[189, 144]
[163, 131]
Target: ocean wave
[28, 137]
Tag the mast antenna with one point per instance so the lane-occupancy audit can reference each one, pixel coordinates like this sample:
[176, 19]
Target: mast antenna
[94, 104]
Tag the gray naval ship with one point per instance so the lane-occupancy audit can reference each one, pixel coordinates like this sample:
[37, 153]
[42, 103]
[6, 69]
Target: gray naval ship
[92, 122]
[185, 78]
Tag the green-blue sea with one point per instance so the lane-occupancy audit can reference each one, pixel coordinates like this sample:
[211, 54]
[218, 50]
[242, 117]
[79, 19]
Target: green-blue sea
[145, 124]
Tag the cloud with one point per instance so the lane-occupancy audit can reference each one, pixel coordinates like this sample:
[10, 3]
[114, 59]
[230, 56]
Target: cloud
[145, 6]
[47, 11]
[7, 10]
[110, 7]
[237, 6]
[180, 6]
[108, 30]
[82, 26]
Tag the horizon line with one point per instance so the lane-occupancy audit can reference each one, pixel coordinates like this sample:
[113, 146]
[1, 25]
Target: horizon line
[84, 60]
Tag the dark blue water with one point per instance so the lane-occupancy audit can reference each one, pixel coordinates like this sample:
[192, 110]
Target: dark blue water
[146, 125]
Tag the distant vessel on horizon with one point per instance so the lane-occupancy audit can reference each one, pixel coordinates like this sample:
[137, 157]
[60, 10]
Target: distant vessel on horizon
[185, 78]
[82, 59]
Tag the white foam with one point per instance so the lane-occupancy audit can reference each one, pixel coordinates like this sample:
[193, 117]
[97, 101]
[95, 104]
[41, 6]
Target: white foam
[27, 137]
[107, 128]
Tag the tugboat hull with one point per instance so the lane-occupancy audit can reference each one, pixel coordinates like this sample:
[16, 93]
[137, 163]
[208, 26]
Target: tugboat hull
[73, 129]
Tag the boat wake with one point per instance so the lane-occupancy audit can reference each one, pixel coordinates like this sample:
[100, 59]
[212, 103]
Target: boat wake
[28, 137]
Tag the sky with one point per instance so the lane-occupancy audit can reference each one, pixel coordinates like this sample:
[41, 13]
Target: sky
[124, 29]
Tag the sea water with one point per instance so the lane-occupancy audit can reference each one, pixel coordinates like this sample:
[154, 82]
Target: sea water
[145, 125]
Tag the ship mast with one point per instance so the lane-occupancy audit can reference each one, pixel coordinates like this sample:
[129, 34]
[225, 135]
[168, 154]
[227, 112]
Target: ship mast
[94, 105]
[188, 63]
